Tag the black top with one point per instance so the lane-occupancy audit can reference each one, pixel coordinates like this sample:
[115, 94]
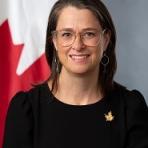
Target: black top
[36, 119]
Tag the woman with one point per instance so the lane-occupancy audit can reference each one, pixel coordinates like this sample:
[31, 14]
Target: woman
[80, 105]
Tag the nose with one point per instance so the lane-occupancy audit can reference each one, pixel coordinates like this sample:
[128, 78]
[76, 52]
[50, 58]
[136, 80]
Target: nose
[78, 43]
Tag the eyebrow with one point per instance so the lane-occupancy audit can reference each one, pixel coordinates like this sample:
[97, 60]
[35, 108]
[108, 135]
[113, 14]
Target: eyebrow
[85, 29]
[90, 29]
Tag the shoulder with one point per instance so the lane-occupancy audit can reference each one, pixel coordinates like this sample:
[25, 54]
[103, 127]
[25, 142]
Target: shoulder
[135, 106]
[132, 103]
[134, 117]
[22, 115]
[30, 99]
[38, 91]
[135, 99]
[129, 97]
[128, 101]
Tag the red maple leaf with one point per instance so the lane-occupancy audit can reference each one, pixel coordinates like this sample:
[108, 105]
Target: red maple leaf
[10, 82]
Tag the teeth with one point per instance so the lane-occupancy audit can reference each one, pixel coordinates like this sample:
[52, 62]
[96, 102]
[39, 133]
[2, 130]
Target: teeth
[78, 57]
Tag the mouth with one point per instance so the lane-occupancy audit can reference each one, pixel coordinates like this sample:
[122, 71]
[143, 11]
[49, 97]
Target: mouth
[79, 58]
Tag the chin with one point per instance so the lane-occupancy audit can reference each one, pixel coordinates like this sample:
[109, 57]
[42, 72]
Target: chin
[82, 71]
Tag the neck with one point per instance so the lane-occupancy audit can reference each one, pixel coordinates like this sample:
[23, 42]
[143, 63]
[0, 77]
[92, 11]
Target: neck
[78, 89]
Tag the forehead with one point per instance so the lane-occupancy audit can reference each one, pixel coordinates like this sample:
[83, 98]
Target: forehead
[72, 17]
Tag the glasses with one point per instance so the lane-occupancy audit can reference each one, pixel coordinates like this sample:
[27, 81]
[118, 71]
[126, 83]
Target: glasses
[67, 37]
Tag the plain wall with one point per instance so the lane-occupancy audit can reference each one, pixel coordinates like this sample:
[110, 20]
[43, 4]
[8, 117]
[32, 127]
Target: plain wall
[131, 22]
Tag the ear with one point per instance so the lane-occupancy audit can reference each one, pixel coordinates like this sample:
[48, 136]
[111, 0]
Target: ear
[106, 38]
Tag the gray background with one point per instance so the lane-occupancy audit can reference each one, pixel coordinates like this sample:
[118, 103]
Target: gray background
[131, 22]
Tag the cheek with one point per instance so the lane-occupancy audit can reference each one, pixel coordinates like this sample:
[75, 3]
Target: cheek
[62, 53]
[97, 54]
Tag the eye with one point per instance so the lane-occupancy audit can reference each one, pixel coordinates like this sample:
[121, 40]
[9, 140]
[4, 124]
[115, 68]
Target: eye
[64, 34]
[89, 34]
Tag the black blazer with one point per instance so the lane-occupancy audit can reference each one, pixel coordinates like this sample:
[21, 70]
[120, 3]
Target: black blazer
[26, 116]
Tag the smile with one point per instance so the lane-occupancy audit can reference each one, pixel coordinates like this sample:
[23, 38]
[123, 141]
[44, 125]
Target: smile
[79, 58]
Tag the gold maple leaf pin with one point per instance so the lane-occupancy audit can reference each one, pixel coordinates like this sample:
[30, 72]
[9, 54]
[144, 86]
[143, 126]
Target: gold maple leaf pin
[109, 117]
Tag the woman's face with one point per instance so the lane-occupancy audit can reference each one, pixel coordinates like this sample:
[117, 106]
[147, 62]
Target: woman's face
[81, 54]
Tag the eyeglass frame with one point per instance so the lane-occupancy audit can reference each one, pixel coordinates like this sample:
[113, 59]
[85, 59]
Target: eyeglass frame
[81, 34]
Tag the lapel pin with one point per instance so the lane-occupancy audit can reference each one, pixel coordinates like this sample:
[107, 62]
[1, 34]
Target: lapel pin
[109, 117]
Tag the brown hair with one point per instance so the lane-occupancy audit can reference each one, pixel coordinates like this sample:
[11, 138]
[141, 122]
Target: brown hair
[104, 17]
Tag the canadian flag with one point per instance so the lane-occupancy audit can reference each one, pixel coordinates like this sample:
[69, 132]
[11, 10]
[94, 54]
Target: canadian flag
[22, 42]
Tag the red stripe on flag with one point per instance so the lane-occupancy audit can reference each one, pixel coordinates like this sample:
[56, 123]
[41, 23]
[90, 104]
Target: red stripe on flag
[10, 82]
